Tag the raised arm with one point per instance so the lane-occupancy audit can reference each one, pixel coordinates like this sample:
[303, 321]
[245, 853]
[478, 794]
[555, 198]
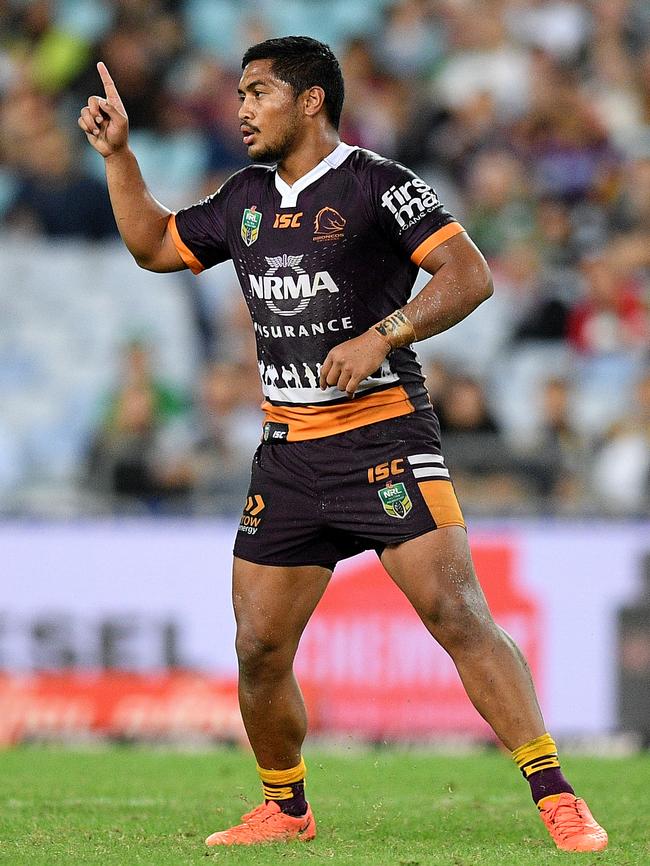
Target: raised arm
[141, 220]
[460, 281]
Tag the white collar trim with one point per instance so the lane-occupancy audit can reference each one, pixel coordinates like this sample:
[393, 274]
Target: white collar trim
[333, 160]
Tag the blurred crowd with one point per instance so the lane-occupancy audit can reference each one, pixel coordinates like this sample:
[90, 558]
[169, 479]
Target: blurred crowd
[532, 120]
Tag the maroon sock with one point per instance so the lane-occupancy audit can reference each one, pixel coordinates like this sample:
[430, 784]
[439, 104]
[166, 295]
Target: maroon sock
[546, 783]
[296, 805]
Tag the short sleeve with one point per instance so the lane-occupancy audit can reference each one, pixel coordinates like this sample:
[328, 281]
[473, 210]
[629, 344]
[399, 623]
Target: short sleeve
[199, 231]
[409, 211]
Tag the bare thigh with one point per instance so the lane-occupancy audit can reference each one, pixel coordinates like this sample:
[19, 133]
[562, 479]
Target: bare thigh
[273, 604]
[436, 574]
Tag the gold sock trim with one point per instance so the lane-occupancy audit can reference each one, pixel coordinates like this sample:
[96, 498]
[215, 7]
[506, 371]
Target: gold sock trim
[538, 754]
[277, 792]
[283, 777]
[546, 801]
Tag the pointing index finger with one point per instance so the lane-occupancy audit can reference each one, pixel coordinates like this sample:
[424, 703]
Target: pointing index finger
[109, 85]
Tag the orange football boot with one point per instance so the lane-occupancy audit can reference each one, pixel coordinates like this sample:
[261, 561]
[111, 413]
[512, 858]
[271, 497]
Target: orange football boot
[571, 824]
[267, 823]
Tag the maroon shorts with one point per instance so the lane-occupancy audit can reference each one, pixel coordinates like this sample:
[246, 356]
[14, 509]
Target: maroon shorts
[322, 500]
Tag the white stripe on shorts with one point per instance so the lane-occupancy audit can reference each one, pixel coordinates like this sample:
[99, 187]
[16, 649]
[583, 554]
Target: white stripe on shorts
[431, 472]
[425, 458]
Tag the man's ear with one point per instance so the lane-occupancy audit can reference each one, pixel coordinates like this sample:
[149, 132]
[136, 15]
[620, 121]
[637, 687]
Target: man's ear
[313, 100]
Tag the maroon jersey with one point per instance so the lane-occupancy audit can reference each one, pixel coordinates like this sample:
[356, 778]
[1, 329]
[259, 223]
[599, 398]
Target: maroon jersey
[320, 262]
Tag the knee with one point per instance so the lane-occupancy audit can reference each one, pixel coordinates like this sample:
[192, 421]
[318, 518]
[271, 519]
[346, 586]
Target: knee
[262, 655]
[460, 622]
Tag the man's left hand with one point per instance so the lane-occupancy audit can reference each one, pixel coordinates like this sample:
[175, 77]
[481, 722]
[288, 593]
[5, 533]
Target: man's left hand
[351, 362]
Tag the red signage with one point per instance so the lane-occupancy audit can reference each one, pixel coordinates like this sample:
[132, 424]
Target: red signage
[366, 664]
[73, 706]
[374, 670]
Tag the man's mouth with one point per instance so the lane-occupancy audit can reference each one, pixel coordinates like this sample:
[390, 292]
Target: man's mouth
[248, 134]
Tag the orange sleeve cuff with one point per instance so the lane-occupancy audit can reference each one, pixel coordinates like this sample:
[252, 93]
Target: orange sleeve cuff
[420, 253]
[183, 250]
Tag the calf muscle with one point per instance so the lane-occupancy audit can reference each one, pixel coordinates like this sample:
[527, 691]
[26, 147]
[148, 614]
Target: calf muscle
[436, 574]
[272, 607]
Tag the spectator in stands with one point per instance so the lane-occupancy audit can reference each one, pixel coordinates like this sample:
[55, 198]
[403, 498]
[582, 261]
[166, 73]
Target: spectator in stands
[501, 211]
[631, 211]
[539, 298]
[412, 40]
[612, 318]
[437, 382]
[563, 141]
[131, 49]
[557, 427]
[558, 27]
[464, 408]
[482, 60]
[54, 198]
[557, 460]
[531, 119]
[621, 471]
[207, 91]
[376, 109]
[227, 428]
[555, 237]
[136, 456]
[484, 468]
[55, 56]
[629, 217]
[611, 86]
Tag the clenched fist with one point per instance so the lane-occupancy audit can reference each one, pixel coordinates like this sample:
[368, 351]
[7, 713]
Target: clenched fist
[349, 363]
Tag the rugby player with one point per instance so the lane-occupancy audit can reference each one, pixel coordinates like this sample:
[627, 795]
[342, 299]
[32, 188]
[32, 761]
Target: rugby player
[327, 240]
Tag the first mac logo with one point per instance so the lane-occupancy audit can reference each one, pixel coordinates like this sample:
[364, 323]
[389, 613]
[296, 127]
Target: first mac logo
[250, 225]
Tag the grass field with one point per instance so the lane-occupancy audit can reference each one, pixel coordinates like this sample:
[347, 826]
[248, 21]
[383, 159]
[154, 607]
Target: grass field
[135, 806]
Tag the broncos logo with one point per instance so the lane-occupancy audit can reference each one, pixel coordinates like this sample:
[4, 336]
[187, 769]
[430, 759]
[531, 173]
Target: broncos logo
[328, 222]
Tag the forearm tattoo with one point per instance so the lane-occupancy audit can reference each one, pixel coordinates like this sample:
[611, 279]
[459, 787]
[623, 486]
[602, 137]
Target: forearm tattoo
[397, 329]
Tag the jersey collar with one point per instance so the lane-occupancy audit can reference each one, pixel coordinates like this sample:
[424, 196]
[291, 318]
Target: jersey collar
[333, 160]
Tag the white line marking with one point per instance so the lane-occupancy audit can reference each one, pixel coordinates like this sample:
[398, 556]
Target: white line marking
[426, 458]
[429, 472]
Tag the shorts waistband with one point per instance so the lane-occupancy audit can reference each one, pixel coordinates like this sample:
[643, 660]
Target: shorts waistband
[273, 432]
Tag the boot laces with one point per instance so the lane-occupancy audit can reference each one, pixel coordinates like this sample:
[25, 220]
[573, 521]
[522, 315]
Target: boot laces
[258, 814]
[568, 818]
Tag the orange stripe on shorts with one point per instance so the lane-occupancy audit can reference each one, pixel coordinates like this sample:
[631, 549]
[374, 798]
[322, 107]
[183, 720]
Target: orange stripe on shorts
[441, 501]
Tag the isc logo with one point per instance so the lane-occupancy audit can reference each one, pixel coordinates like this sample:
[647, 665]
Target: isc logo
[384, 470]
[287, 220]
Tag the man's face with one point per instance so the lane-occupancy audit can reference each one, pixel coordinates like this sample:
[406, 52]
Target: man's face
[269, 115]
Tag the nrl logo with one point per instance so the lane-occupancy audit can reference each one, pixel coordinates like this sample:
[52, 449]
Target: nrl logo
[395, 499]
[250, 225]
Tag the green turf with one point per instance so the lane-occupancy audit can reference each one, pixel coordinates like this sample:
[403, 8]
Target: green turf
[135, 806]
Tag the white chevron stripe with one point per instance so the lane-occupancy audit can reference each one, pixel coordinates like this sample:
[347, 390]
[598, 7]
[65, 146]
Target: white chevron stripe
[425, 458]
[309, 396]
[430, 472]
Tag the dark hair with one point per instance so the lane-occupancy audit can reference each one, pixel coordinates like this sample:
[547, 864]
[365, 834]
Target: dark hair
[303, 62]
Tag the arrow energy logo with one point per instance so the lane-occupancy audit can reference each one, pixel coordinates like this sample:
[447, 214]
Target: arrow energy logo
[251, 519]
